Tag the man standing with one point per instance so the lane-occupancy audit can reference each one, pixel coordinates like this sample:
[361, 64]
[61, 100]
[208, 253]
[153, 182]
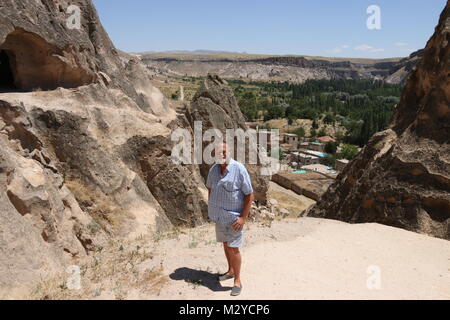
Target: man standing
[230, 199]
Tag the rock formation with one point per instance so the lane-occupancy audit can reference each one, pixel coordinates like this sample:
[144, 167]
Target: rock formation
[215, 106]
[402, 177]
[85, 145]
[400, 71]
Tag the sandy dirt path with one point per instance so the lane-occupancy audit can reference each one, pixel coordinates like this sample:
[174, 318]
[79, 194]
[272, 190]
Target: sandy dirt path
[309, 258]
[295, 258]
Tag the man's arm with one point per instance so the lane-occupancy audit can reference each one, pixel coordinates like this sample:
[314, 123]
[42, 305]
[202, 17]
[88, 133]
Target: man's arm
[247, 205]
[239, 224]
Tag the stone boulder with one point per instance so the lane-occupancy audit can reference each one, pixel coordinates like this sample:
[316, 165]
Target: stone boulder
[216, 107]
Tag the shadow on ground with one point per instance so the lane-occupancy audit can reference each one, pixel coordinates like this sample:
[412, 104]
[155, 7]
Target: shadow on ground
[200, 278]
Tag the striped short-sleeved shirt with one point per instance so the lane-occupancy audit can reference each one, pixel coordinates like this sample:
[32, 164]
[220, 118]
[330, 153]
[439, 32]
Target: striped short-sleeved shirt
[226, 200]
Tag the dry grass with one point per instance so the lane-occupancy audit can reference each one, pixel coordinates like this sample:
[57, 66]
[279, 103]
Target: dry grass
[171, 234]
[169, 88]
[103, 211]
[110, 273]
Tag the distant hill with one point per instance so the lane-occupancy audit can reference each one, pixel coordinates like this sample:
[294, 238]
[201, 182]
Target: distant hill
[294, 68]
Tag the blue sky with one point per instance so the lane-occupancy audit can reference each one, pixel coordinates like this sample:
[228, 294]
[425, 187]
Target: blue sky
[334, 28]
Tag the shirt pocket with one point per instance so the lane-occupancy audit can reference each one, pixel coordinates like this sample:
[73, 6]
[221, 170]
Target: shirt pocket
[231, 186]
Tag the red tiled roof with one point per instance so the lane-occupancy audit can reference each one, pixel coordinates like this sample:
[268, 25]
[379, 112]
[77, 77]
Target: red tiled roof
[325, 139]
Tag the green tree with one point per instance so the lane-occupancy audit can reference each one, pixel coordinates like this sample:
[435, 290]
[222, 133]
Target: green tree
[339, 137]
[315, 125]
[331, 147]
[349, 151]
[300, 132]
[329, 160]
[329, 119]
[175, 96]
[322, 132]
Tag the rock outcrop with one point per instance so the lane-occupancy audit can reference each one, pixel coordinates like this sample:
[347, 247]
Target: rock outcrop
[402, 177]
[85, 145]
[310, 184]
[400, 71]
[215, 106]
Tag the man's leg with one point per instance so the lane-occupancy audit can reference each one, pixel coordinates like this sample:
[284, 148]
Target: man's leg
[227, 254]
[236, 260]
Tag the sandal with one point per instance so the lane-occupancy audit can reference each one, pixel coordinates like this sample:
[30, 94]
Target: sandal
[236, 291]
[225, 276]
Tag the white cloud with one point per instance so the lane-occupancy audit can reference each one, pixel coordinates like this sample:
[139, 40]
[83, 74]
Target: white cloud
[365, 47]
[339, 49]
[400, 44]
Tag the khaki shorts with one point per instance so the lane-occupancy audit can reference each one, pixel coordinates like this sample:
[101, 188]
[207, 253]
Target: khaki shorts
[226, 233]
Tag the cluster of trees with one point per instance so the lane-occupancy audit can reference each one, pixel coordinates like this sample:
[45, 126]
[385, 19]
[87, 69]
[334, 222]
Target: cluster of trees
[362, 107]
[348, 151]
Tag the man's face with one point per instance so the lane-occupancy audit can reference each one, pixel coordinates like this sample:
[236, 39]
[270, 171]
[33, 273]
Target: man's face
[222, 155]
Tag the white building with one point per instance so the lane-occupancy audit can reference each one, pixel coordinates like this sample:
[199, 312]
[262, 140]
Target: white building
[304, 159]
[291, 139]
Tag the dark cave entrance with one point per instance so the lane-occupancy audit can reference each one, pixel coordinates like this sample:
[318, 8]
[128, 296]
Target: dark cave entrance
[30, 63]
[6, 73]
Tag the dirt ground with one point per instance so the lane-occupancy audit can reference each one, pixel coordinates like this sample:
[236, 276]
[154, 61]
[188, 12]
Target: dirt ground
[296, 258]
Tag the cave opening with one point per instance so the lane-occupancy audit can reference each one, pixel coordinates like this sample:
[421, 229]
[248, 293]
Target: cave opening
[28, 62]
[6, 72]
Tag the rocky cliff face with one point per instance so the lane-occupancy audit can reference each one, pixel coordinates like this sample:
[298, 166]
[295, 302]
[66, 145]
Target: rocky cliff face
[402, 177]
[279, 68]
[215, 106]
[399, 72]
[85, 145]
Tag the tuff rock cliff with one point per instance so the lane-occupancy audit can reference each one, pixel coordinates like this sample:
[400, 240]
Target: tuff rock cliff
[85, 145]
[296, 69]
[402, 177]
[215, 105]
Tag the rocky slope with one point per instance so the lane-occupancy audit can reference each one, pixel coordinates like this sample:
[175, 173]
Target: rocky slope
[402, 177]
[279, 68]
[400, 71]
[85, 144]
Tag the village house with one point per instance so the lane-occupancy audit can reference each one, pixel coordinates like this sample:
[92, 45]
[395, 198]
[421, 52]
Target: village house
[303, 145]
[304, 159]
[325, 139]
[314, 153]
[317, 146]
[291, 139]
